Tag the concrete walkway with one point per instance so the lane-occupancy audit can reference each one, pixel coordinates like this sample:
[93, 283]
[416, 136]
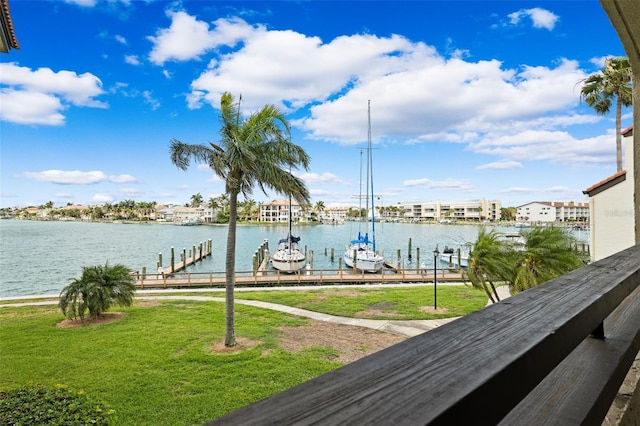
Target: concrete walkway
[404, 328]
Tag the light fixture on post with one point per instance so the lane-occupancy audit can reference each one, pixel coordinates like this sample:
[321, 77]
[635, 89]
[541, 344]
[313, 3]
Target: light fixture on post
[435, 278]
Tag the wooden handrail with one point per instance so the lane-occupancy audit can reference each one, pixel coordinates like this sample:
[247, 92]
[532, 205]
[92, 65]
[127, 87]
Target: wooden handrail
[210, 279]
[486, 367]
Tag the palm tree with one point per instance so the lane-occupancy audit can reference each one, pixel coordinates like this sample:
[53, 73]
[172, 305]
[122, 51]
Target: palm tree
[196, 200]
[97, 290]
[599, 89]
[319, 208]
[488, 262]
[255, 151]
[548, 253]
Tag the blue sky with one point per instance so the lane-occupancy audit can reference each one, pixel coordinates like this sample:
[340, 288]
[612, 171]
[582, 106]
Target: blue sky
[469, 99]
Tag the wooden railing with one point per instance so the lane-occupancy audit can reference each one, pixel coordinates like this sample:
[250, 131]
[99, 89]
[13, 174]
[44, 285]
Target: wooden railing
[554, 354]
[318, 276]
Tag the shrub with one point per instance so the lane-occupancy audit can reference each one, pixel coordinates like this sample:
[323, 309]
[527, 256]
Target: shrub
[98, 289]
[40, 405]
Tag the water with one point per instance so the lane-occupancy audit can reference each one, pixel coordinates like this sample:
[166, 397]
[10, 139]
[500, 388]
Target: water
[41, 257]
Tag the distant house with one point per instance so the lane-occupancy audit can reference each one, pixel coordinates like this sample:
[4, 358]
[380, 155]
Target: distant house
[612, 212]
[8, 38]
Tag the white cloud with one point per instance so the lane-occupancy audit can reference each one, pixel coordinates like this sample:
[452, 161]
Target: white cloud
[102, 198]
[120, 39]
[40, 96]
[187, 38]
[500, 165]
[77, 177]
[449, 183]
[540, 18]
[122, 179]
[83, 3]
[24, 107]
[73, 177]
[132, 60]
[148, 97]
[417, 95]
[315, 178]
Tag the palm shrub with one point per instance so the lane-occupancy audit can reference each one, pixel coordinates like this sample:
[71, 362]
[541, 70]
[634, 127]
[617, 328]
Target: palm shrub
[97, 290]
[489, 261]
[548, 253]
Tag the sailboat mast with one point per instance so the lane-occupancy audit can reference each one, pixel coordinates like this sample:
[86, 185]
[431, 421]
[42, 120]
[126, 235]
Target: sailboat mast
[370, 177]
[290, 219]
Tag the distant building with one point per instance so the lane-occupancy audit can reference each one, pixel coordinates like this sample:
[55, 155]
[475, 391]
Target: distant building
[278, 211]
[612, 212]
[551, 211]
[478, 210]
[334, 214]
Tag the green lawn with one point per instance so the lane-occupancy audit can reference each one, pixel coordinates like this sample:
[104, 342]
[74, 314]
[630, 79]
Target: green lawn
[157, 366]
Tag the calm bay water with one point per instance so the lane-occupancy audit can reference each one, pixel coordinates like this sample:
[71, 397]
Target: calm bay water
[41, 257]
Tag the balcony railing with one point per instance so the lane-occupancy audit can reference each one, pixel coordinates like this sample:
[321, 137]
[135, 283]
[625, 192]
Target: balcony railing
[555, 354]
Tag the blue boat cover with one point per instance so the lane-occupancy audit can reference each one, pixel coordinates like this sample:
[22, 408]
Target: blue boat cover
[293, 239]
[361, 239]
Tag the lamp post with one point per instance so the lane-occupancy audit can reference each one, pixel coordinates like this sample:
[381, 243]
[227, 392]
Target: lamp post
[435, 278]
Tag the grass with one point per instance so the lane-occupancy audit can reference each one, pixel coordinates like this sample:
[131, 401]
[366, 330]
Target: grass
[379, 303]
[158, 365]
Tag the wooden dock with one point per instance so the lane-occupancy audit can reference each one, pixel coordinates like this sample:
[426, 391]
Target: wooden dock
[304, 277]
[194, 256]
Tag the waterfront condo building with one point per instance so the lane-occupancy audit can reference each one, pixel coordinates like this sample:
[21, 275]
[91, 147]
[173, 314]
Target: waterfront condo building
[445, 211]
[278, 211]
[551, 212]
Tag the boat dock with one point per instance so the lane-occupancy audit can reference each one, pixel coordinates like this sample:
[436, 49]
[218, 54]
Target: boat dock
[196, 254]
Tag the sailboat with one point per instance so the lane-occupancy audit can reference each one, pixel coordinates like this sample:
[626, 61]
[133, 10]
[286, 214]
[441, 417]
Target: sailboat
[360, 253]
[288, 257]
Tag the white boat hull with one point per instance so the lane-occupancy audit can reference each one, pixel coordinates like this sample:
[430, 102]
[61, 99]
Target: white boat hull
[288, 260]
[452, 260]
[366, 259]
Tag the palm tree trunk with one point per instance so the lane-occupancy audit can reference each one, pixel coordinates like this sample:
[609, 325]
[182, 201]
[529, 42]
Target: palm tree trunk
[618, 135]
[493, 287]
[486, 290]
[230, 271]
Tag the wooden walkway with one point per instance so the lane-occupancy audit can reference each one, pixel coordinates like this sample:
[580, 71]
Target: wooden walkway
[306, 277]
[196, 254]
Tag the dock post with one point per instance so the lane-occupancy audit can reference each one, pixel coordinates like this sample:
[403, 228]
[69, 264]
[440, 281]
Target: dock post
[200, 250]
[398, 259]
[184, 258]
[144, 272]
[417, 259]
[173, 260]
[160, 259]
[409, 256]
[311, 258]
[332, 253]
[210, 246]
[355, 261]
[193, 255]
[255, 264]
[325, 251]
